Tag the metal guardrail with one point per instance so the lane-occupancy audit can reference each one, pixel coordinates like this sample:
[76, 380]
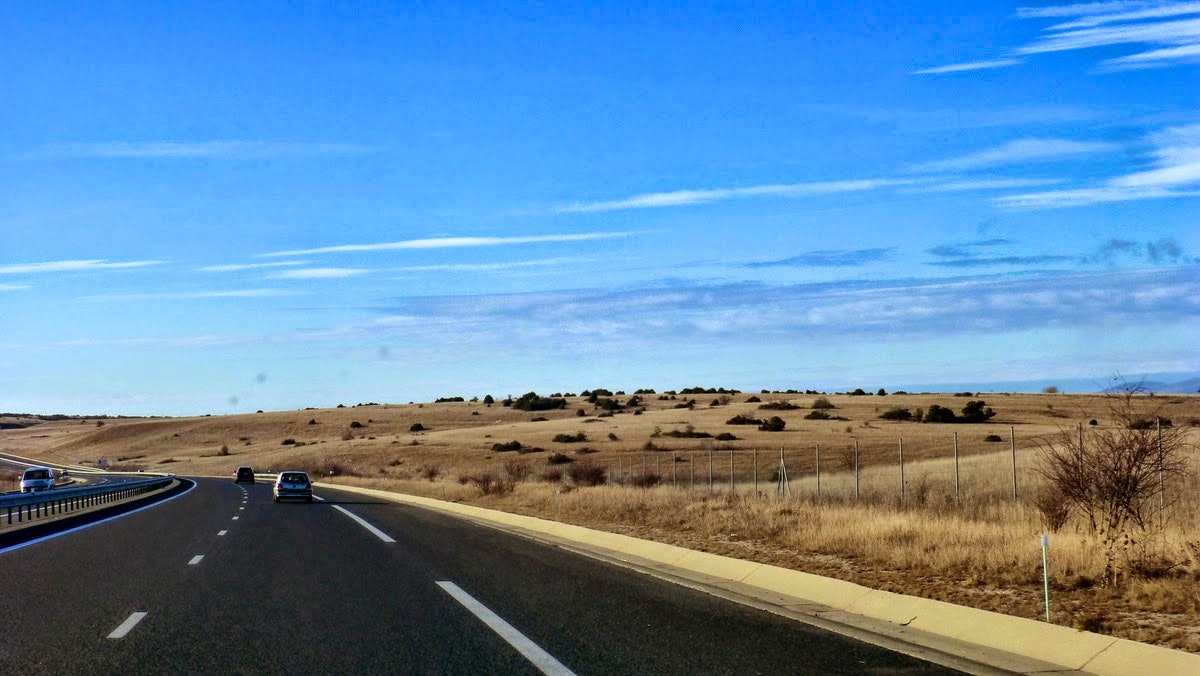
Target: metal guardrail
[21, 508]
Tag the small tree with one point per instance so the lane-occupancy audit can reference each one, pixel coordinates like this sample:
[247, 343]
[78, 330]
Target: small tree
[1113, 476]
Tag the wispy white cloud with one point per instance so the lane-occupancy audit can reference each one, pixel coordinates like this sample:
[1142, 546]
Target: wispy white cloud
[1170, 27]
[688, 197]
[969, 66]
[1177, 174]
[71, 266]
[192, 295]
[1132, 12]
[450, 242]
[1155, 58]
[234, 150]
[1083, 9]
[969, 184]
[14, 287]
[318, 273]
[238, 267]
[490, 267]
[1021, 151]
[1165, 32]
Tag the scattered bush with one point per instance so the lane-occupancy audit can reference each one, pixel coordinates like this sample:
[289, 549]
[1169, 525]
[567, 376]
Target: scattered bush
[725, 436]
[429, 472]
[312, 421]
[645, 479]
[558, 458]
[448, 400]
[289, 442]
[570, 438]
[740, 419]
[687, 433]
[490, 483]
[775, 424]
[753, 399]
[355, 425]
[517, 470]
[778, 406]
[822, 402]
[224, 450]
[896, 414]
[525, 450]
[416, 427]
[588, 473]
[819, 414]
[506, 447]
[993, 438]
[347, 435]
[530, 401]
[552, 475]
[612, 437]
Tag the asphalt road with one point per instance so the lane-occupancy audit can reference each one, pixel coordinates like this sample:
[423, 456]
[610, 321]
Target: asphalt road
[230, 582]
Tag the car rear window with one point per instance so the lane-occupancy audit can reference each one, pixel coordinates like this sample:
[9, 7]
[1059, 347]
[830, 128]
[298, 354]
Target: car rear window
[295, 478]
[37, 474]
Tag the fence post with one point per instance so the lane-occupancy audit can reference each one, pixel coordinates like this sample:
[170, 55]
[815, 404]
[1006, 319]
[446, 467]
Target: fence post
[710, 473]
[956, 495]
[1012, 439]
[856, 470]
[901, 471]
[732, 490]
[754, 456]
[785, 486]
[818, 472]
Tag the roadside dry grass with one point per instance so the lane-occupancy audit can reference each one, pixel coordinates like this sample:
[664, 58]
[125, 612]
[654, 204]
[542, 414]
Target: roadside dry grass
[976, 546]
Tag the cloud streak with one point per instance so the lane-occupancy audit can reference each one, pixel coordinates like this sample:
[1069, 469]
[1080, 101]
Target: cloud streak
[318, 273]
[450, 243]
[239, 267]
[1176, 158]
[192, 295]
[1020, 151]
[828, 259]
[969, 66]
[94, 265]
[678, 198]
[195, 150]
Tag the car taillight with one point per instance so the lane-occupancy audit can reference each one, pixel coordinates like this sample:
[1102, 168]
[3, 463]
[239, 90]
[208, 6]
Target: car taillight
[278, 485]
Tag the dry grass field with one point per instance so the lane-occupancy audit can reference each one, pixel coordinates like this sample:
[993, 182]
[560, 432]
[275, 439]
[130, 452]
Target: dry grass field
[954, 532]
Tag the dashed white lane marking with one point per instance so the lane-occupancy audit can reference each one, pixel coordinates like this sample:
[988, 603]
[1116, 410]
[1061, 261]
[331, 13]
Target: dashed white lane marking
[235, 518]
[541, 659]
[362, 522]
[128, 625]
[222, 532]
[196, 559]
[241, 509]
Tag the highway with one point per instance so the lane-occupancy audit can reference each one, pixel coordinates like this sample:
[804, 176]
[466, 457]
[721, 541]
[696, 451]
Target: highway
[222, 580]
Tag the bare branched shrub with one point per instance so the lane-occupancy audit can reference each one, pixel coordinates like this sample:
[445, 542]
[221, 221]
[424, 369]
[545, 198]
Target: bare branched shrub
[490, 482]
[1054, 507]
[1114, 475]
[429, 472]
[517, 470]
[588, 473]
[645, 479]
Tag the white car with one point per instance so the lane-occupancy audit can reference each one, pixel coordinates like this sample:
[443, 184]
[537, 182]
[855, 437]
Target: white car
[37, 479]
[293, 484]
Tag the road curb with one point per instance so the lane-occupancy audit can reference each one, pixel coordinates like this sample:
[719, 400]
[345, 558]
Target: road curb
[1067, 648]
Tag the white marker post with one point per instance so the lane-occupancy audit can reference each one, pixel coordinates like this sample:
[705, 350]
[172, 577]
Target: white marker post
[1046, 571]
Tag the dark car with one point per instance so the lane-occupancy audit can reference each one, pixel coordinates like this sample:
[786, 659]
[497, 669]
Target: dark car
[243, 474]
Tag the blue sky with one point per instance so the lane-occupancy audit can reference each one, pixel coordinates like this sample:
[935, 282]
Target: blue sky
[209, 209]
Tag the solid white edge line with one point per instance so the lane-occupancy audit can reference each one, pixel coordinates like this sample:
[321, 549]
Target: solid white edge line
[362, 522]
[196, 559]
[97, 523]
[541, 659]
[128, 625]
[222, 532]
